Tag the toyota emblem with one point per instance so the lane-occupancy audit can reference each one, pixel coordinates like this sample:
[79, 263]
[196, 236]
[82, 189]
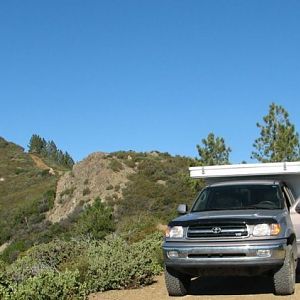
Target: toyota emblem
[216, 230]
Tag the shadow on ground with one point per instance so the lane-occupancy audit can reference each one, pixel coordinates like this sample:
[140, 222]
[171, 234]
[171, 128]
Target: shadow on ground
[233, 285]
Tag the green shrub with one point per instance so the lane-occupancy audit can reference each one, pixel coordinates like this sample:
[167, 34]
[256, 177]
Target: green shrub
[109, 187]
[48, 285]
[117, 187]
[12, 251]
[47, 201]
[148, 196]
[86, 191]
[74, 269]
[114, 264]
[4, 292]
[116, 165]
[96, 221]
[2, 266]
[129, 163]
[68, 192]
[41, 258]
[143, 226]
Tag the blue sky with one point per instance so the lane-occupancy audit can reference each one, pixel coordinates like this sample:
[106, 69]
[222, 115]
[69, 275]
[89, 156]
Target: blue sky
[146, 75]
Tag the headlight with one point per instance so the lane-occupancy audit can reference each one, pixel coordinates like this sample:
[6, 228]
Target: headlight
[266, 229]
[174, 232]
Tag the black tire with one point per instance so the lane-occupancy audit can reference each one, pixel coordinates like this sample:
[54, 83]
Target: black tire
[177, 284]
[285, 278]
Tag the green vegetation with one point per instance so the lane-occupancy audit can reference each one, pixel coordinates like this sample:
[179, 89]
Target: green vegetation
[86, 191]
[89, 250]
[49, 151]
[96, 221]
[24, 196]
[151, 196]
[68, 192]
[278, 139]
[74, 269]
[116, 165]
[214, 151]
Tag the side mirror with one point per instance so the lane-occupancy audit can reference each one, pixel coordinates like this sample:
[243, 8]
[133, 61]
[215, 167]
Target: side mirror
[182, 209]
[297, 208]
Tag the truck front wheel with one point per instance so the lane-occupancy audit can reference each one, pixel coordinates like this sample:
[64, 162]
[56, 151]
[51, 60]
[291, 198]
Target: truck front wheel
[177, 284]
[284, 278]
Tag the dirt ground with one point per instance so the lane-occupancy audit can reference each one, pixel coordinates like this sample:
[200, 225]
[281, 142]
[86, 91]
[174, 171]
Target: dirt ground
[213, 288]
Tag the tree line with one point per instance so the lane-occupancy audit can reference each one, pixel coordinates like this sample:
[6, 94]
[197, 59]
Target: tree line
[49, 150]
[278, 141]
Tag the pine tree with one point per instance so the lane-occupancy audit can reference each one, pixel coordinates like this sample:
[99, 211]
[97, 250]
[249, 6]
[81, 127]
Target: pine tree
[49, 150]
[278, 139]
[36, 144]
[68, 160]
[214, 151]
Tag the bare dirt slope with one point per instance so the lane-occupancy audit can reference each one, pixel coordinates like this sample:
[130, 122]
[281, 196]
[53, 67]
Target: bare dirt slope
[39, 162]
[214, 288]
[99, 175]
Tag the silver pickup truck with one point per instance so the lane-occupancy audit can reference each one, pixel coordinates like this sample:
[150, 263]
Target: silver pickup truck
[245, 227]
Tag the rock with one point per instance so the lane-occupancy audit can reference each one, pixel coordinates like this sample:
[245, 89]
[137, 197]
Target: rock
[88, 180]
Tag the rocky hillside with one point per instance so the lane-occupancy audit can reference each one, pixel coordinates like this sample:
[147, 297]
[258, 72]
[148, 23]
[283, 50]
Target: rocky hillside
[152, 183]
[100, 175]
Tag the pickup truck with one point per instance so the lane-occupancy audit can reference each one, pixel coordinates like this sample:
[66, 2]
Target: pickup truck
[240, 227]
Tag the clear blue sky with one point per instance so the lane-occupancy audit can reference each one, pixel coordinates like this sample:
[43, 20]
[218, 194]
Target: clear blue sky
[146, 75]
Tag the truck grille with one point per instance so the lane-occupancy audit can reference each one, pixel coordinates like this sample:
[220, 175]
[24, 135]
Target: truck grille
[217, 230]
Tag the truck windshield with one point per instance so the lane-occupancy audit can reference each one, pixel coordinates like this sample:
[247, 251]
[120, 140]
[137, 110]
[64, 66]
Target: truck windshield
[234, 197]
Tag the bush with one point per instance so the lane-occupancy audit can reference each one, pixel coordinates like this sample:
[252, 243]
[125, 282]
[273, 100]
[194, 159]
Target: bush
[68, 192]
[86, 191]
[12, 251]
[47, 285]
[40, 258]
[96, 221]
[114, 264]
[116, 165]
[74, 269]
[144, 226]
[109, 187]
[145, 193]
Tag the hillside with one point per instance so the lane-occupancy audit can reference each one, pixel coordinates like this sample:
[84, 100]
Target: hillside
[26, 193]
[152, 183]
[39, 201]
[70, 226]
[98, 175]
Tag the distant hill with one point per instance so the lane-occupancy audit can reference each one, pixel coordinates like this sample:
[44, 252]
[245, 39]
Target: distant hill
[27, 191]
[135, 184]
[40, 201]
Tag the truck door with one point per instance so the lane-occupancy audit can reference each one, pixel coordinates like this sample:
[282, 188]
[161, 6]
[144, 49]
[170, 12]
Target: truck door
[295, 216]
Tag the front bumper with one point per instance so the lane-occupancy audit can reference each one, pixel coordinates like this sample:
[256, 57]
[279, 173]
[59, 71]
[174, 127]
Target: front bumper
[205, 255]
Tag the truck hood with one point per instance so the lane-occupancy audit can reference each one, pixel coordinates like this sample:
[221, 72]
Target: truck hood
[249, 216]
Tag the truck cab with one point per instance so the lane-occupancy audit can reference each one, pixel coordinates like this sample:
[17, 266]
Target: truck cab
[241, 223]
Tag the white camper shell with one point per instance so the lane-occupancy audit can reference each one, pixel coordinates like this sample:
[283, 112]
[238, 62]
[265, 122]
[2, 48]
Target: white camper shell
[288, 172]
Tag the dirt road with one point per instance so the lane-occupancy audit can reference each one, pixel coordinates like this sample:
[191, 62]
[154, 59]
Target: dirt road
[217, 288]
